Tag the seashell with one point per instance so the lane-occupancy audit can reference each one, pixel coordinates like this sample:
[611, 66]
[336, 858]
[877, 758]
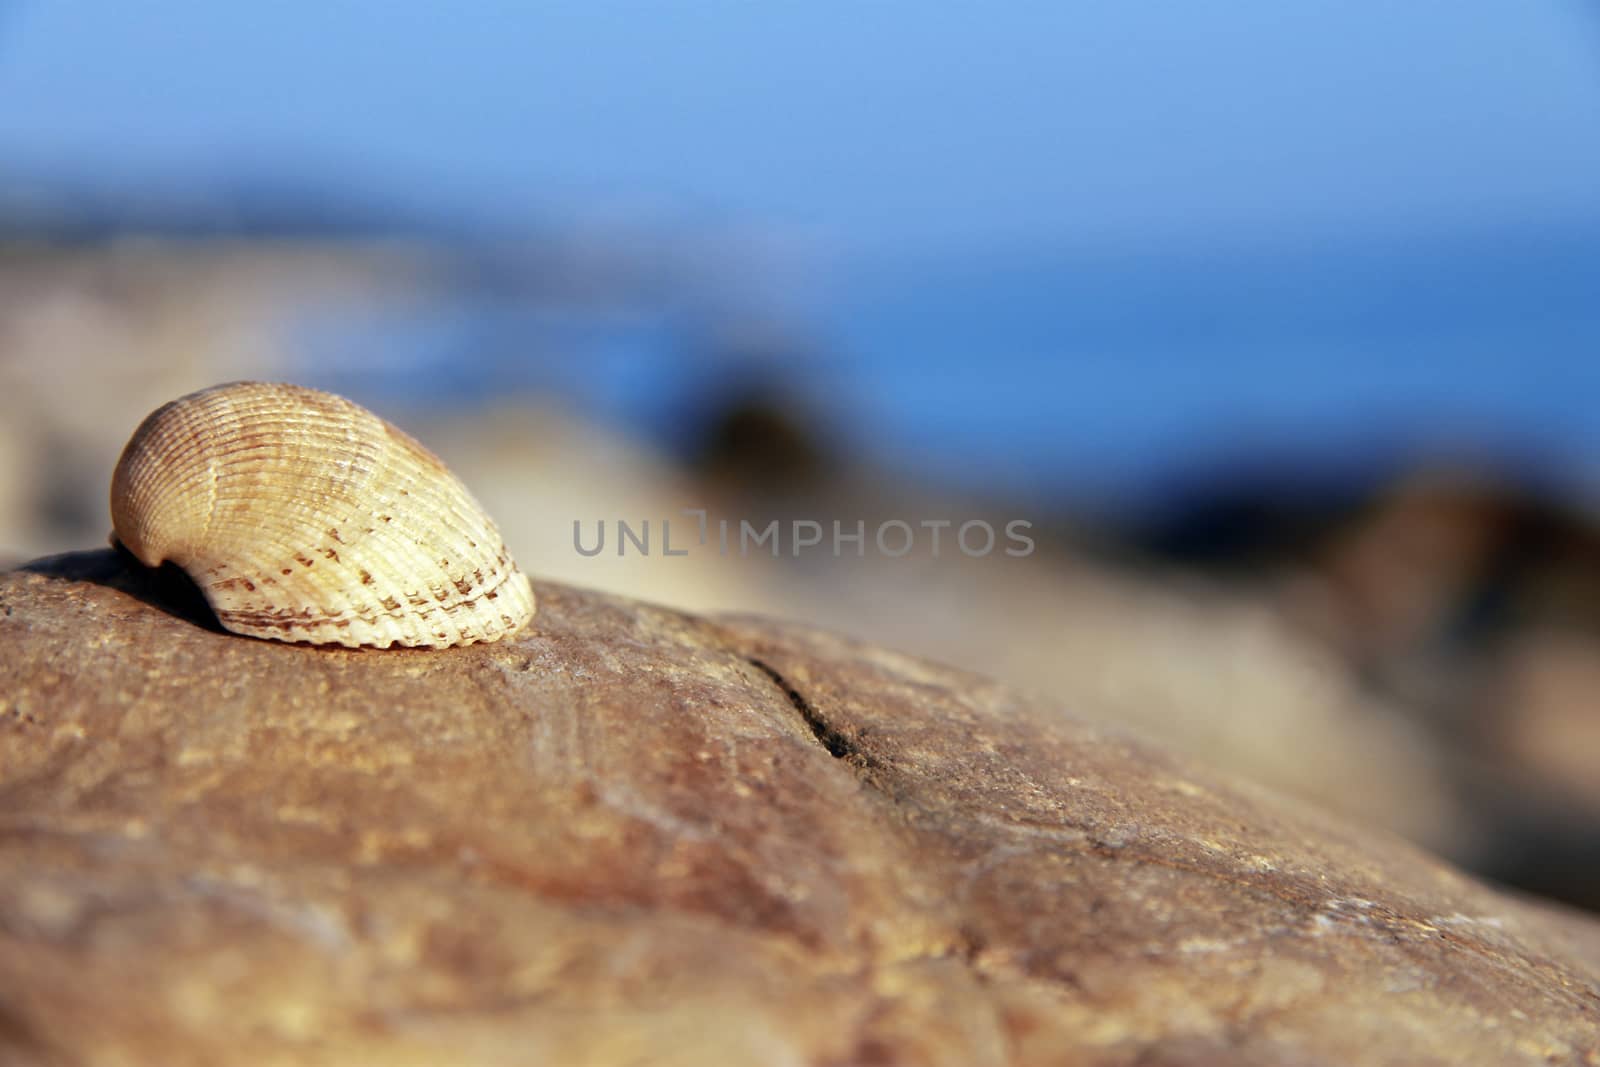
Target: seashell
[304, 517]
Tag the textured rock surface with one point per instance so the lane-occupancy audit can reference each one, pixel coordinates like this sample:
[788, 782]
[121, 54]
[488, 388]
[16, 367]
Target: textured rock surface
[632, 836]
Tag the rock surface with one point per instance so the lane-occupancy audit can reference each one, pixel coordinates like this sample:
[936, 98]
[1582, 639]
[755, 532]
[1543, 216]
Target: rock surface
[633, 836]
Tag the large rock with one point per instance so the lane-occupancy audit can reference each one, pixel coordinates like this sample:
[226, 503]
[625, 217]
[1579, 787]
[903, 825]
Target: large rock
[633, 836]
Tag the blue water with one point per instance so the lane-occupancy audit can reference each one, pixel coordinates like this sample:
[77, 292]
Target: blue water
[1108, 377]
[1107, 374]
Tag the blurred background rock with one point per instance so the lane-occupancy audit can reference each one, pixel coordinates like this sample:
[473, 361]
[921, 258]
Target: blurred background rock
[1281, 329]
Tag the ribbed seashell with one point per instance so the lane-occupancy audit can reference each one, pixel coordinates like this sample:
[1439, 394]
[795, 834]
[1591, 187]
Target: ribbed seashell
[304, 517]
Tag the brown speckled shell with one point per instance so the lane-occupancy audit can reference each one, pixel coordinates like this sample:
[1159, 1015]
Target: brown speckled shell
[304, 517]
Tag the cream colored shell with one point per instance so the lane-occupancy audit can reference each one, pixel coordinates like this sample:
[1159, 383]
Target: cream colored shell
[304, 517]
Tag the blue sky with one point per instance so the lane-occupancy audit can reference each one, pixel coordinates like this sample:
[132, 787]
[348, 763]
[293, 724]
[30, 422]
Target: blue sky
[867, 123]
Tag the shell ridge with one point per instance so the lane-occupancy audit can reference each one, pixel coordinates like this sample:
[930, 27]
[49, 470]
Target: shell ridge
[210, 509]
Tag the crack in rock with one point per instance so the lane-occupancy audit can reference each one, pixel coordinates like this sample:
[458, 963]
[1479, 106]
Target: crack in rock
[839, 744]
